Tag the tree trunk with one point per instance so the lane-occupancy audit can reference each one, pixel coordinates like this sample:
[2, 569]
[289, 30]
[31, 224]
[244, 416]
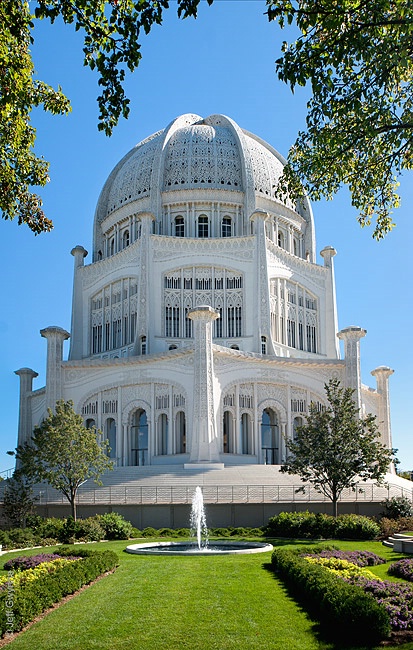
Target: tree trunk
[335, 506]
[73, 503]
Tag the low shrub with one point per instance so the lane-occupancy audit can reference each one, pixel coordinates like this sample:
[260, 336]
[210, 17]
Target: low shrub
[397, 507]
[310, 525]
[32, 597]
[24, 562]
[402, 569]
[50, 527]
[390, 526]
[356, 527]
[344, 610]
[115, 526]
[21, 537]
[359, 558]
[149, 532]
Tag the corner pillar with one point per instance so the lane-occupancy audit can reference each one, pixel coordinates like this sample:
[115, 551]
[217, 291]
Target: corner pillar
[54, 381]
[351, 337]
[382, 375]
[25, 429]
[76, 343]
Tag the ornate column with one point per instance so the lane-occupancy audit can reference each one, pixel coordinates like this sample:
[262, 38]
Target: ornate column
[382, 375]
[142, 326]
[263, 295]
[76, 343]
[331, 322]
[351, 337]
[25, 429]
[55, 337]
[204, 441]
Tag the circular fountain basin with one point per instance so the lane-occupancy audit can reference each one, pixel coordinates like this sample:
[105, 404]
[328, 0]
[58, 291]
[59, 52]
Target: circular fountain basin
[189, 548]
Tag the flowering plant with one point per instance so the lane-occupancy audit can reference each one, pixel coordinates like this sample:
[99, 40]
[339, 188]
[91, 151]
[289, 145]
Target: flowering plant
[360, 558]
[342, 568]
[402, 569]
[30, 575]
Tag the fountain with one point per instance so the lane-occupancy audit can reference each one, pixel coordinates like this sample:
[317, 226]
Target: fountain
[197, 520]
[201, 546]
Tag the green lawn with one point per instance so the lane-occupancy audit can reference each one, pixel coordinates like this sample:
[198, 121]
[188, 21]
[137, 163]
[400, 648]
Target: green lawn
[177, 603]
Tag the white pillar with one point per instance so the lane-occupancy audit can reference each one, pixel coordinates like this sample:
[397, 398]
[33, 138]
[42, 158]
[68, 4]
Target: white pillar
[351, 337]
[25, 429]
[331, 321]
[76, 343]
[204, 443]
[54, 385]
[382, 375]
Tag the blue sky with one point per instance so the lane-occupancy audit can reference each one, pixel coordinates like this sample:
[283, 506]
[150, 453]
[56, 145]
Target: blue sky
[221, 63]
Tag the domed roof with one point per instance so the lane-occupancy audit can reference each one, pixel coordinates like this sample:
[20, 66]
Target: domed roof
[195, 153]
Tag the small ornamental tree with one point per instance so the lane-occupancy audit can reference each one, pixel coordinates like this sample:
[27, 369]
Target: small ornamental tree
[18, 501]
[336, 449]
[64, 453]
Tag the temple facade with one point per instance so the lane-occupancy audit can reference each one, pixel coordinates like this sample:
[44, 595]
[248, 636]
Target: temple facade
[203, 326]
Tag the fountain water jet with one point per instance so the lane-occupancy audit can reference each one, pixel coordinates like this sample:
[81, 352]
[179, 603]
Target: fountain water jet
[198, 519]
[201, 546]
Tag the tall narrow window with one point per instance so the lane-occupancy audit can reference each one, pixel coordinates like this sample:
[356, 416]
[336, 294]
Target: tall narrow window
[142, 342]
[263, 345]
[162, 434]
[125, 239]
[180, 433]
[226, 227]
[179, 227]
[228, 433]
[110, 427]
[203, 227]
[269, 437]
[139, 438]
[246, 434]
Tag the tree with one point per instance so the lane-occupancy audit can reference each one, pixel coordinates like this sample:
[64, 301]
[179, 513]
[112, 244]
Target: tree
[64, 453]
[357, 56]
[18, 501]
[337, 449]
[111, 46]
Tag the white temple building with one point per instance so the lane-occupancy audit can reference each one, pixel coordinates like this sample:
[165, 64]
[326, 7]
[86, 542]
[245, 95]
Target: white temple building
[203, 326]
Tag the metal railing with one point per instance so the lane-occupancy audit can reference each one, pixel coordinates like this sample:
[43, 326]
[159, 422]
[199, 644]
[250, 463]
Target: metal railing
[214, 494]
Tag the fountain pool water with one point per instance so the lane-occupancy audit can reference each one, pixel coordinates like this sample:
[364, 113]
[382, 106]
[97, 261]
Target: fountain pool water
[201, 546]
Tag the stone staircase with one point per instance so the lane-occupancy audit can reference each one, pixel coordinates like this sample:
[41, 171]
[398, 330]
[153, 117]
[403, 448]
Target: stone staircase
[400, 543]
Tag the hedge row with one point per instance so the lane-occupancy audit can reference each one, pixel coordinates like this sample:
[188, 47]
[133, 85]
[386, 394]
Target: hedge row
[49, 531]
[20, 605]
[345, 612]
[310, 525]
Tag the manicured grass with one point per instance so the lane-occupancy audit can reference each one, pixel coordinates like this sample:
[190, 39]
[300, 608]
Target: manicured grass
[177, 603]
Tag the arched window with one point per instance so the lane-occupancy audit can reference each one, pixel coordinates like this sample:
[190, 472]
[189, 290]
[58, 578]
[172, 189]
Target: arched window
[263, 345]
[89, 424]
[162, 435]
[226, 227]
[246, 434]
[142, 345]
[281, 239]
[110, 431]
[228, 433]
[112, 246]
[297, 422]
[234, 347]
[203, 227]
[99, 256]
[172, 347]
[180, 433]
[125, 239]
[139, 438]
[179, 227]
[269, 437]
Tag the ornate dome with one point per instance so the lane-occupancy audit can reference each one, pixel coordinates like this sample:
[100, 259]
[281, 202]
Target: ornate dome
[190, 158]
